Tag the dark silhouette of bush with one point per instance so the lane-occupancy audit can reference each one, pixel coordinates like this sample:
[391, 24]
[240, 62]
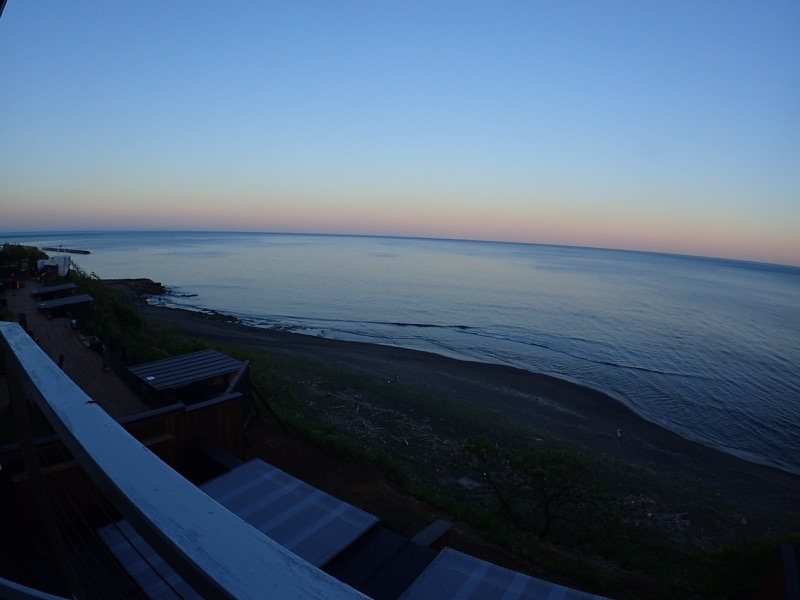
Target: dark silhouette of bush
[553, 494]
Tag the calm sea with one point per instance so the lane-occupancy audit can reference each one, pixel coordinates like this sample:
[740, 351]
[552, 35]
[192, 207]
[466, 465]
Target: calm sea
[708, 348]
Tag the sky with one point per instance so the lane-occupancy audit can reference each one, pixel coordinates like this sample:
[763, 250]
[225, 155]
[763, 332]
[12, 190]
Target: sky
[660, 126]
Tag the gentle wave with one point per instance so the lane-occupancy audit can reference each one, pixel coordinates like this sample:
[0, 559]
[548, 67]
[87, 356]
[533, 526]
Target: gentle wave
[706, 347]
[583, 357]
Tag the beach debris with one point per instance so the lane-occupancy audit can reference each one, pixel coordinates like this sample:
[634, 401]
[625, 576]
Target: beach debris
[467, 483]
[370, 423]
[646, 511]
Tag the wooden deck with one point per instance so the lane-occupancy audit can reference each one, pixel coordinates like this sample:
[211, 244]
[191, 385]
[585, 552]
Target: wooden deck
[82, 365]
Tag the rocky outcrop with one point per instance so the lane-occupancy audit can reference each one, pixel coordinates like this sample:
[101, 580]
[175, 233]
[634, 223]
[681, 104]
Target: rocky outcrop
[139, 287]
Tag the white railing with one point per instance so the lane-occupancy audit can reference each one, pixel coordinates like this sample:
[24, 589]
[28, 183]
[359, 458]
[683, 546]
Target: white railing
[220, 555]
[11, 590]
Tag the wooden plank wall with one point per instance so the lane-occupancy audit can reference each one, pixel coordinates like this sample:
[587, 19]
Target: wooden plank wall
[167, 432]
[220, 421]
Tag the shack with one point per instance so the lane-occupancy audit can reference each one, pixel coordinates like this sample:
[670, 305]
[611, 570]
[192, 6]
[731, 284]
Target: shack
[191, 378]
[54, 291]
[72, 306]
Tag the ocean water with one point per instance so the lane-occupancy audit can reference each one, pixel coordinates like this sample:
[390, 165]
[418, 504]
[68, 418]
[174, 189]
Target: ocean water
[709, 348]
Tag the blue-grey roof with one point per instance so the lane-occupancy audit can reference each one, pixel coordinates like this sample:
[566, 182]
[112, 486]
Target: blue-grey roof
[53, 289]
[453, 574]
[309, 522]
[62, 302]
[180, 371]
[154, 576]
[318, 527]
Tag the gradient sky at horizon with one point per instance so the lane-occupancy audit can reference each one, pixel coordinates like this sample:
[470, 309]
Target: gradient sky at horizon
[662, 126]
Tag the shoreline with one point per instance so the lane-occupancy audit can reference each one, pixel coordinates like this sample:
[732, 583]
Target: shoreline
[577, 415]
[685, 433]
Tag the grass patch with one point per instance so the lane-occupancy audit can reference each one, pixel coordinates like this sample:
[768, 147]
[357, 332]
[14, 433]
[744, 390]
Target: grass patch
[546, 502]
[312, 396]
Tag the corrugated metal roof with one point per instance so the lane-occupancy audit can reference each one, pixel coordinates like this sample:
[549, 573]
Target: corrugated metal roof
[62, 302]
[154, 576]
[303, 519]
[453, 574]
[312, 524]
[180, 371]
[53, 289]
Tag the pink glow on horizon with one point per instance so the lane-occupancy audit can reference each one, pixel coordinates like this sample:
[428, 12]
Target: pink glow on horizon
[244, 129]
[420, 219]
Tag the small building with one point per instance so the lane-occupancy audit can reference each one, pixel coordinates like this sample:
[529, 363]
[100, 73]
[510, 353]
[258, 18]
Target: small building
[56, 265]
[54, 291]
[192, 378]
[70, 306]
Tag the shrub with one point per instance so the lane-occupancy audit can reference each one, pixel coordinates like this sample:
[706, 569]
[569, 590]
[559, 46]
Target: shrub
[551, 493]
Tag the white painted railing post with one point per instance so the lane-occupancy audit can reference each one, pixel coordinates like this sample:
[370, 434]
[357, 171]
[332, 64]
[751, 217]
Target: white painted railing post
[213, 549]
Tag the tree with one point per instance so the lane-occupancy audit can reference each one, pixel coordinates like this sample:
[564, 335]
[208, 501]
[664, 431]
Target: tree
[552, 493]
[14, 257]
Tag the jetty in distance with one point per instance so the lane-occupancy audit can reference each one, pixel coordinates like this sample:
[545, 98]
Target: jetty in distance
[66, 250]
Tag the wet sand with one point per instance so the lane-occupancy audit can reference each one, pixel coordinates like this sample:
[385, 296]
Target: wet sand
[551, 407]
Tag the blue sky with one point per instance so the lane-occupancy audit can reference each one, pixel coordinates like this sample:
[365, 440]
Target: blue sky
[669, 126]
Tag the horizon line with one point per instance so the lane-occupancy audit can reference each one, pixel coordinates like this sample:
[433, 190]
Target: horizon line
[404, 237]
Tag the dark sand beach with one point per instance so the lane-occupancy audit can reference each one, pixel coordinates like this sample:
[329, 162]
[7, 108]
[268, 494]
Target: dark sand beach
[759, 500]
